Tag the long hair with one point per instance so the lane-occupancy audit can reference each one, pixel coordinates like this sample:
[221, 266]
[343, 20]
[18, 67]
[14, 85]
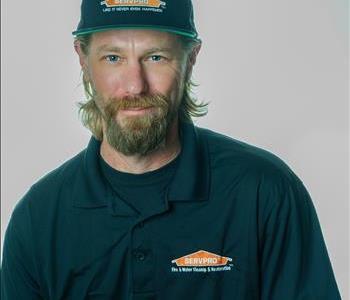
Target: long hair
[91, 116]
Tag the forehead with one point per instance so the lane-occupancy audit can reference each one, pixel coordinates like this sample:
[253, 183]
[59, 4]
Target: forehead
[134, 38]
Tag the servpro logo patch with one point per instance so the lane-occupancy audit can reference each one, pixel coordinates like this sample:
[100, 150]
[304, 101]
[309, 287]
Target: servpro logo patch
[202, 261]
[133, 5]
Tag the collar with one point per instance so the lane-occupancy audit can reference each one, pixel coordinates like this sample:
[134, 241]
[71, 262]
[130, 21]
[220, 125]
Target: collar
[190, 181]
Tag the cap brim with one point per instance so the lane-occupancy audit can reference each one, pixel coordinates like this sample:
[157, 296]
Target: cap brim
[191, 35]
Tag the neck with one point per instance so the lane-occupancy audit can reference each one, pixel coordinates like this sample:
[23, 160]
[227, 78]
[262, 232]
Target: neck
[138, 164]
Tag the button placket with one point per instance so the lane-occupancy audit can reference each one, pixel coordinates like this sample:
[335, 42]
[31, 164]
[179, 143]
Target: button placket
[139, 255]
[143, 260]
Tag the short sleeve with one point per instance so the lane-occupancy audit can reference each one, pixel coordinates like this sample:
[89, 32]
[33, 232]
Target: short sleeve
[18, 272]
[294, 259]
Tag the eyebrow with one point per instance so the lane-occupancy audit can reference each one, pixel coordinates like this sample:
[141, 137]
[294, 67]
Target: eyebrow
[106, 48]
[159, 49]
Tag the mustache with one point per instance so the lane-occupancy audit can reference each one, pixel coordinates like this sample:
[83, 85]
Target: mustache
[155, 100]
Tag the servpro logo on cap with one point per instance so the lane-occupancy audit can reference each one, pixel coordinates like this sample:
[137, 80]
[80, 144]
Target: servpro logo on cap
[133, 5]
[202, 261]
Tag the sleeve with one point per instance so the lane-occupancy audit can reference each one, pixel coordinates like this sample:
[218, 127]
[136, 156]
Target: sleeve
[18, 275]
[294, 259]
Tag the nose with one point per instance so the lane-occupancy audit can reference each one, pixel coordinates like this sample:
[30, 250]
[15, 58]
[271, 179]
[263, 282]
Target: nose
[134, 81]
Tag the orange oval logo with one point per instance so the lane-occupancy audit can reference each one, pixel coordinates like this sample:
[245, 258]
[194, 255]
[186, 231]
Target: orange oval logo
[146, 3]
[201, 258]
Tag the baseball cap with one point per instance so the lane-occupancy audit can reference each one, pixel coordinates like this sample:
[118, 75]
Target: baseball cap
[174, 16]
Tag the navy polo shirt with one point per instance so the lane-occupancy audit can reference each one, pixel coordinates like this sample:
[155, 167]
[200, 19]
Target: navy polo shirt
[235, 223]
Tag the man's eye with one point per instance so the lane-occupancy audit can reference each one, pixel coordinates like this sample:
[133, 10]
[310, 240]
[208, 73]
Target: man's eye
[112, 58]
[156, 58]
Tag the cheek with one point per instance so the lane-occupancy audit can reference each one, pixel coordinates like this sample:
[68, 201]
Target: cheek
[163, 82]
[105, 83]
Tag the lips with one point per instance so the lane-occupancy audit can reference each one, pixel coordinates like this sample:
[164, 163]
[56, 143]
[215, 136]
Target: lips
[136, 108]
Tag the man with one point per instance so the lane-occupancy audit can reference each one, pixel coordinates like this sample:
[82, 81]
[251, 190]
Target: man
[155, 207]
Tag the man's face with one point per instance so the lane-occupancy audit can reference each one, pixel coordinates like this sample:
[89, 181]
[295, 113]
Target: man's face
[138, 76]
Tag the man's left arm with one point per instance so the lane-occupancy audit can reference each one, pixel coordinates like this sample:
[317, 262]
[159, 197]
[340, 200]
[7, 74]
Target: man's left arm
[294, 259]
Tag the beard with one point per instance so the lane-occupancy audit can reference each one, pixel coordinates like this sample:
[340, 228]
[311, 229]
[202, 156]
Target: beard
[142, 133]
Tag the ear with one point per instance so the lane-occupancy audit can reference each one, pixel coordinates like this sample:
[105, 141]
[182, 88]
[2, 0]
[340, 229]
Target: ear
[193, 55]
[82, 56]
[192, 60]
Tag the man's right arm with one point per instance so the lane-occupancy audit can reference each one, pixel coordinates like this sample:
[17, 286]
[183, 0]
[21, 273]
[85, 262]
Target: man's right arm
[19, 278]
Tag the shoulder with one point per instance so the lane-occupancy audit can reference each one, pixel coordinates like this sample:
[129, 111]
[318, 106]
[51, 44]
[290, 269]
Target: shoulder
[256, 174]
[43, 193]
[250, 163]
[60, 175]
[223, 148]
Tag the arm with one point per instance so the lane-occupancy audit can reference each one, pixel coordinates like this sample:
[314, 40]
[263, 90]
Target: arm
[18, 272]
[294, 259]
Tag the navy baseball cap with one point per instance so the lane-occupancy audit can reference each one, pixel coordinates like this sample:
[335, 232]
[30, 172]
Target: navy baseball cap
[174, 16]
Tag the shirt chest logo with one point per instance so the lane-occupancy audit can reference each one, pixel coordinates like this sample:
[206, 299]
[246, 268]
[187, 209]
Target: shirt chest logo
[202, 261]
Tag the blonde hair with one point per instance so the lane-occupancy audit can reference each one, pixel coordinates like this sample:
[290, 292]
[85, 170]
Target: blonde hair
[91, 116]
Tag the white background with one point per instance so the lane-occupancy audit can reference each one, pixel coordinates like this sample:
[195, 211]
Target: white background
[275, 72]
